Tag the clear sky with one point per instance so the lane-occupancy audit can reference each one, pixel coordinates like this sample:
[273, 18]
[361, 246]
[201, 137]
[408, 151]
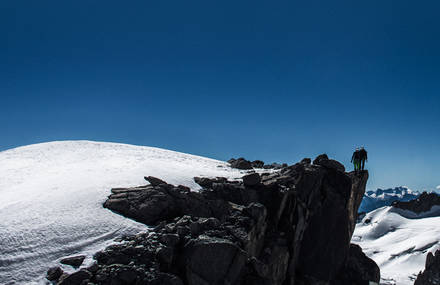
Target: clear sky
[270, 80]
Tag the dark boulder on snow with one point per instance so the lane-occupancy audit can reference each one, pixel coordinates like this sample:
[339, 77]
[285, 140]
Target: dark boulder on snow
[151, 204]
[292, 226]
[421, 204]
[74, 261]
[54, 273]
[154, 181]
[431, 274]
[240, 163]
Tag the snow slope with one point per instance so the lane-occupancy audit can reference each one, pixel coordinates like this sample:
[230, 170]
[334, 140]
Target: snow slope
[399, 245]
[379, 198]
[51, 197]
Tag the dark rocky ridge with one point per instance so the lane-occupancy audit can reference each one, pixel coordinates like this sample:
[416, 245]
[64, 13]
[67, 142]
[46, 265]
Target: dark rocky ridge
[241, 163]
[431, 274]
[289, 227]
[421, 204]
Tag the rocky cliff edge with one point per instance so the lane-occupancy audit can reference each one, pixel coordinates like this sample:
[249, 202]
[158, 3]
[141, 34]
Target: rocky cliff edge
[292, 226]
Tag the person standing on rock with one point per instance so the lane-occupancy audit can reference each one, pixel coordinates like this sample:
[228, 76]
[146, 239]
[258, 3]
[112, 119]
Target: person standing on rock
[356, 159]
[363, 157]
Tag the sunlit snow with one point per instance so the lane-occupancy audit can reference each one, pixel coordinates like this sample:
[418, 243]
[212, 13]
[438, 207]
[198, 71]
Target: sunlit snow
[51, 197]
[399, 245]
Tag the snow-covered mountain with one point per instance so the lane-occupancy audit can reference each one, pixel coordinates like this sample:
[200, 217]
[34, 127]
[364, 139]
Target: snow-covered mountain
[51, 198]
[375, 199]
[398, 242]
[52, 193]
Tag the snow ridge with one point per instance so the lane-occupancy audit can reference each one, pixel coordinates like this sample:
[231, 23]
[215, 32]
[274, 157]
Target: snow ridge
[52, 195]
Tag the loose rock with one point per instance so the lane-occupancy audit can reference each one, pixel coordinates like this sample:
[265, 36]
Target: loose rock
[74, 261]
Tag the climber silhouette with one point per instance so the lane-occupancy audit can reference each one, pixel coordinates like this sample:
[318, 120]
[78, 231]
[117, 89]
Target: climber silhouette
[356, 159]
[363, 157]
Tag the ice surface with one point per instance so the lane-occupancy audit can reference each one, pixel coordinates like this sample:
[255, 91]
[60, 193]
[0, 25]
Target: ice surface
[398, 245]
[51, 197]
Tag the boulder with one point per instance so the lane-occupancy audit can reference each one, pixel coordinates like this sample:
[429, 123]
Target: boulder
[231, 160]
[204, 182]
[324, 161]
[257, 164]
[211, 260]
[154, 181]
[251, 179]
[241, 163]
[74, 261]
[320, 158]
[54, 273]
[76, 278]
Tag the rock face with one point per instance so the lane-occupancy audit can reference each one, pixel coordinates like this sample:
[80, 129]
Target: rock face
[290, 227]
[431, 275]
[423, 203]
[358, 268]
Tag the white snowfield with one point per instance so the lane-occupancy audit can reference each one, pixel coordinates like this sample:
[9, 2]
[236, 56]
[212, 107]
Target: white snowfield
[51, 197]
[398, 244]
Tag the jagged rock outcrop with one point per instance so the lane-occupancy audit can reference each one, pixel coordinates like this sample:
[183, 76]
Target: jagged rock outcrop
[421, 204]
[241, 163]
[431, 274]
[292, 227]
[358, 268]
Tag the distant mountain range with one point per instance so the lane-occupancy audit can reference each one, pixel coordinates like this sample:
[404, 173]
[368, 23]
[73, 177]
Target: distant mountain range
[379, 198]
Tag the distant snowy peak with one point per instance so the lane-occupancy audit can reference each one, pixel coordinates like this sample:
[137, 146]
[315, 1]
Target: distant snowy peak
[399, 192]
[385, 197]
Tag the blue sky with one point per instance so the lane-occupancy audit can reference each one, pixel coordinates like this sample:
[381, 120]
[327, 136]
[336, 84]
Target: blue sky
[270, 80]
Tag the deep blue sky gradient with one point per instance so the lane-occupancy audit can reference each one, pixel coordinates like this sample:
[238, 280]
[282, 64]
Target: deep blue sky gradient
[270, 80]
